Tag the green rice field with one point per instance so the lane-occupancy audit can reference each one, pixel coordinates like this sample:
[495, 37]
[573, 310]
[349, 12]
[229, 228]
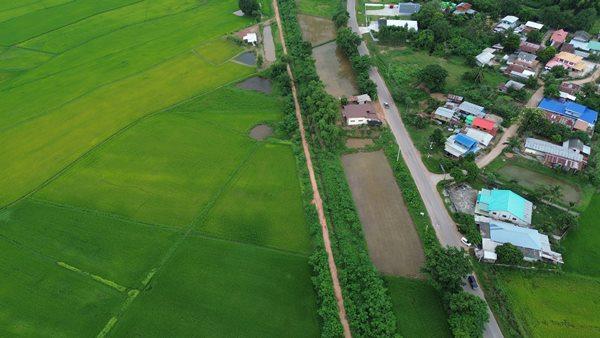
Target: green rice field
[133, 201]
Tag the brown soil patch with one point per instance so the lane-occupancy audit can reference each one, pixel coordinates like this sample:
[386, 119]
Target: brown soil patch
[316, 30]
[393, 242]
[358, 143]
[261, 132]
[438, 96]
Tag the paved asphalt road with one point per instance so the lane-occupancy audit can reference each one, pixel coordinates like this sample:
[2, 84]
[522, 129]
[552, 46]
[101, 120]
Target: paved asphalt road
[444, 225]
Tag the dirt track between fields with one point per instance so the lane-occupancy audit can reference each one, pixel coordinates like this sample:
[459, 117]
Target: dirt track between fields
[393, 242]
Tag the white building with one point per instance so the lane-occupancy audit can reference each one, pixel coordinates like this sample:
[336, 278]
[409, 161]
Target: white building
[481, 137]
[250, 38]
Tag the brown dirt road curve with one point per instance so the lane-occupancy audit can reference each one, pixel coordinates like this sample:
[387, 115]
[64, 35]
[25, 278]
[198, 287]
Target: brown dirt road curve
[316, 195]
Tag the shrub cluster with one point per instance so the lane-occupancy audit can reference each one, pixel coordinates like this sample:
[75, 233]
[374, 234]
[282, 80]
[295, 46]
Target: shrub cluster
[349, 41]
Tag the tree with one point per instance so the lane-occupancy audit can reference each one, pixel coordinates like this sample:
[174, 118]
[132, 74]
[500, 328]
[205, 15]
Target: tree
[475, 75]
[468, 315]
[446, 268]
[340, 18]
[249, 7]
[509, 254]
[535, 36]
[559, 72]
[546, 54]
[347, 40]
[458, 175]
[433, 76]
[551, 90]
[585, 19]
[425, 40]
[511, 42]
[437, 138]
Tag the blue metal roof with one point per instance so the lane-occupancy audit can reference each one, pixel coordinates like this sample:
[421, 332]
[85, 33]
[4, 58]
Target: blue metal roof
[522, 237]
[570, 109]
[465, 141]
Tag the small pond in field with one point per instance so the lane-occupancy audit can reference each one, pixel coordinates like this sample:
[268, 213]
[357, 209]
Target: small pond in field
[316, 30]
[261, 132]
[257, 83]
[247, 58]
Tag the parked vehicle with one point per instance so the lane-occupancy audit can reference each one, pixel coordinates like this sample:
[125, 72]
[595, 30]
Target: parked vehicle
[374, 123]
[472, 282]
[465, 241]
[386, 105]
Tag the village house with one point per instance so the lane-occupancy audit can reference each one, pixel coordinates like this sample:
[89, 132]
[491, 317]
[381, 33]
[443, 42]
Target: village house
[568, 61]
[531, 26]
[558, 37]
[594, 47]
[467, 108]
[529, 47]
[459, 145]
[504, 205]
[571, 114]
[485, 125]
[481, 137]
[572, 155]
[507, 23]
[444, 114]
[569, 90]
[359, 99]
[519, 72]
[527, 60]
[485, 58]
[250, 38]
[408, 24]
[408, 8]
[534, 245]
[511, 84]
[359, 114]
[464, 8]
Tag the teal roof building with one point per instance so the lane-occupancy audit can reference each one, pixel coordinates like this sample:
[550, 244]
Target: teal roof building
[504, 205]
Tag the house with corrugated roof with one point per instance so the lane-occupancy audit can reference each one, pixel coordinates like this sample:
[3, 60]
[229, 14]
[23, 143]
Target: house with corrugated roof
[504, 205]
[485, 125]
[459, 145]
[534, 245]
[408, 8]
[571, 114]
[569, 156]
[568, 61]
[467, 108]
[558, 37]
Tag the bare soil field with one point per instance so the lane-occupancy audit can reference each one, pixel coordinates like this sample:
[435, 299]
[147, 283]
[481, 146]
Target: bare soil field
[394, 245]
[358, 143]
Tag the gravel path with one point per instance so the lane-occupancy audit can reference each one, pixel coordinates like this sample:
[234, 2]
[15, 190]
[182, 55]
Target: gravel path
[268, 44]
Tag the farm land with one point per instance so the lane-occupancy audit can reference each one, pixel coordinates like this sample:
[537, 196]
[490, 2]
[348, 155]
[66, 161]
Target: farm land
[134, 203]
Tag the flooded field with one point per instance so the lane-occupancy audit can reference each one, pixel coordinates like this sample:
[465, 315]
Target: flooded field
[531, 180]
[335, 70]
[259, 84]
[316, 30]
[247, 58]
[261, 132]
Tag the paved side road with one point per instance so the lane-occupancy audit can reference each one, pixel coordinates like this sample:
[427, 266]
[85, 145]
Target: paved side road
[426, 182]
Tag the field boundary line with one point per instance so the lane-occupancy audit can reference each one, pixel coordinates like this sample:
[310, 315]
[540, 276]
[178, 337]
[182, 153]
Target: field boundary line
[62, 264]
[118, 132]
[33, 50]
[74, 22]
[104, 214]
[173, 248]
[35, 10]
[203, 235]
[97, 278]
[318, 202]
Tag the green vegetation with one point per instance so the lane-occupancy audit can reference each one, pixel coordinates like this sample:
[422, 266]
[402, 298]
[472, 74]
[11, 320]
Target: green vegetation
[552, 305]
[244, 289]
[323, 8]
[113, 72]
[133, 200]
[581, 252]
[418, 307]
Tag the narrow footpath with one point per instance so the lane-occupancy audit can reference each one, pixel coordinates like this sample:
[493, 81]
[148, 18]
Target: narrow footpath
[316, 195]
[443, 224]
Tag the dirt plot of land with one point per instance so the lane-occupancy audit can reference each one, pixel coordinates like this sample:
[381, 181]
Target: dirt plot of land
[394, 245]
[358, 143]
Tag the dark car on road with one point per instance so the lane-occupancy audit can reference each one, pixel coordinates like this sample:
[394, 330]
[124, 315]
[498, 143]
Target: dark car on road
[472, 282]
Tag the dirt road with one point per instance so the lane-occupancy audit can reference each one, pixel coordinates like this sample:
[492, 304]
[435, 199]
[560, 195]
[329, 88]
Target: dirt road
[393, 243]
[316, 195]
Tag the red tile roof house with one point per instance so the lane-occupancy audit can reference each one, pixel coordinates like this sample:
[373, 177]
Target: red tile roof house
[529, 47]
[558, 37]
[486, 125]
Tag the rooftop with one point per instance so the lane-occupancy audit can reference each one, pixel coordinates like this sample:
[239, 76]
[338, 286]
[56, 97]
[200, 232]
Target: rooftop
[481, 136]
[534, 25]
[472, 108]
[553, 149]
[445, 112]
[510, 19]
[366, 110]
[502, 232]
[506, 200]
[559, 36]
[408, 8]
[569, 109]
[484, 123]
